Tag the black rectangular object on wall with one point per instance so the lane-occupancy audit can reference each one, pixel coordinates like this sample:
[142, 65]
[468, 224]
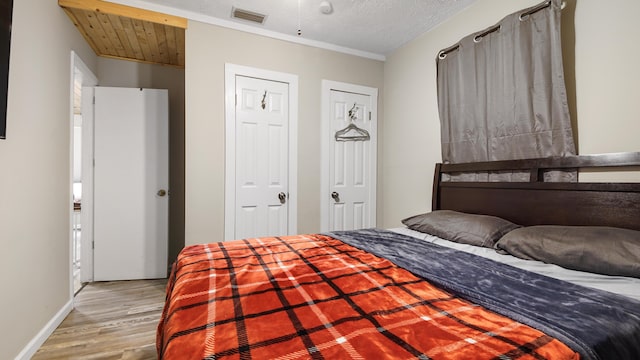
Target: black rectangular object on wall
[6, 10]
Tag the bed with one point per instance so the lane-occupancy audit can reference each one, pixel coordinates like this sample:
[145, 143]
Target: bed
[476, 278]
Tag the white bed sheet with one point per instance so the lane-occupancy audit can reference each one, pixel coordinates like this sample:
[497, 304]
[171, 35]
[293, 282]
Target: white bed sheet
[621, 285]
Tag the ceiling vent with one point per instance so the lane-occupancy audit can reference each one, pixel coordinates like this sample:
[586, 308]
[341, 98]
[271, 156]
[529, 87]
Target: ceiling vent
[248, 15]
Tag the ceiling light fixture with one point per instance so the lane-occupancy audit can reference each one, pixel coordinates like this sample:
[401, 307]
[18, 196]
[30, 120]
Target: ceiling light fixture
[326, 7]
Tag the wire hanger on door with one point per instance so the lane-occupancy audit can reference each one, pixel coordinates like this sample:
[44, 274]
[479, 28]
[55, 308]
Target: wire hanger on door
[352, 132]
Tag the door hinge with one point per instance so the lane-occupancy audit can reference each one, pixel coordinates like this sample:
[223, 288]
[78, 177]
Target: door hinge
[94, 100]
[369, 115]
[93, 245]
[236, 100]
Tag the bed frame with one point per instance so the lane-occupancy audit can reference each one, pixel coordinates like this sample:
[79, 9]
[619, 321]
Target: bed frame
[543, 203]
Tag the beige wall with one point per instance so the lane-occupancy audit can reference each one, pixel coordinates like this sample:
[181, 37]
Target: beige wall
[208, 48]
[35, 172]
[600, 49]
[120, 73]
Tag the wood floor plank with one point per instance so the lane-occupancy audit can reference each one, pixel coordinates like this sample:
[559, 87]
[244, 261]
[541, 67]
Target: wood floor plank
[111, 320]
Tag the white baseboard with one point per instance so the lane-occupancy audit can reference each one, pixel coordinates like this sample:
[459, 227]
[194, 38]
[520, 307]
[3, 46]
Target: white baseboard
[42, 336]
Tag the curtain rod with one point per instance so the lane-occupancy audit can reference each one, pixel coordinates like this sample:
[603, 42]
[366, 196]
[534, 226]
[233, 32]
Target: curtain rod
[443, 53]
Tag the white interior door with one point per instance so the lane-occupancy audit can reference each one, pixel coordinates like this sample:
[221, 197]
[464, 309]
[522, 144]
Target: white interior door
[131, 183]
[350, 196]
[262, 166]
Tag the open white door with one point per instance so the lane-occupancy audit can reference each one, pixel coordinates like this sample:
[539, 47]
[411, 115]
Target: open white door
[349, 167]
[131, 184]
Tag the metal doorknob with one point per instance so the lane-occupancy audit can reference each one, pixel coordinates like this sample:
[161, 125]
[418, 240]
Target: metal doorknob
[335, 196]
[162, 192]
[283, 198]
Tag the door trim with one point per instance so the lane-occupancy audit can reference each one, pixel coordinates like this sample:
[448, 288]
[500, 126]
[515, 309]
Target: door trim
[88, 80]
[231, 71]
[325, 143]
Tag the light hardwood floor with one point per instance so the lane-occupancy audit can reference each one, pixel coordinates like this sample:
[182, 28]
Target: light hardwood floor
[111, 320]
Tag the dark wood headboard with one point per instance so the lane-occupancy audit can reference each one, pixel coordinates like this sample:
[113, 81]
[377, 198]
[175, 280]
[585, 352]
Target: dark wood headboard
[544, 203]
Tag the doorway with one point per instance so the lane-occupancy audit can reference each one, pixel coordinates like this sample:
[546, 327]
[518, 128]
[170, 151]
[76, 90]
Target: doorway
[81, 77]
[260, 152]
[349, 156]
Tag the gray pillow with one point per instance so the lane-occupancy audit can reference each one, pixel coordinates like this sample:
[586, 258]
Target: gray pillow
[596, 249]
[479, 230]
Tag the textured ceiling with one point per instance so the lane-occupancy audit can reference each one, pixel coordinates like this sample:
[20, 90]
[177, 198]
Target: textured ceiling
[377, 27]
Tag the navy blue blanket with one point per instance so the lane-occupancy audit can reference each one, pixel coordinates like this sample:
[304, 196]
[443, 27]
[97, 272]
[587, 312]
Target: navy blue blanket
[597, 324]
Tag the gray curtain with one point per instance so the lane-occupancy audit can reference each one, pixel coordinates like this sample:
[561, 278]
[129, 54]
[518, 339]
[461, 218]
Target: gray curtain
[502, 96]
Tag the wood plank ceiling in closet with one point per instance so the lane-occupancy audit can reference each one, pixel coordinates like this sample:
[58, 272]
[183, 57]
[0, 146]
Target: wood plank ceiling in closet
[124, 32]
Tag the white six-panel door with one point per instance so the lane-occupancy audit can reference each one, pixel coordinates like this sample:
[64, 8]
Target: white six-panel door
[262, 168]
[352, 171]
[131, 183]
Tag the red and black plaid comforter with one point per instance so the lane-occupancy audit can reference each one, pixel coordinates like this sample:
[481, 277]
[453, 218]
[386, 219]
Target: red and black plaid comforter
[312, 296]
